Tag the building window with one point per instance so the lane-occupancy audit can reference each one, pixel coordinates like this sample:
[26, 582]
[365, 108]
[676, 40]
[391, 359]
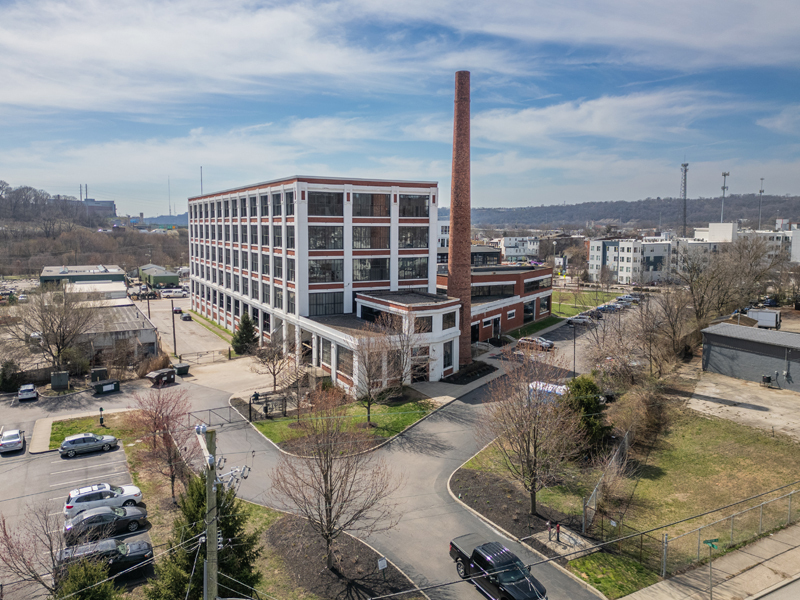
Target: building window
[278, 298]
[289, 204]
[326, 238]
[235, 258]
[277, 236]
[244, 261]
[511, 314]
[290, 236]
[276, 205]
[326, 303]
[544, 304]
[449, 320]
[227, 233]
[244, 234]
[277, 267]
[447, 355]
[245, 289]
[326, 352]
[265, 265]
[423, 324]
[254, 262]
[265, 235]
[290, 302]
[326, 271]
[235, 231]
[244, 206]
[376, 238]
[413, 237]
[253, 206]
[344, 360]
[227, 303]
[227, 212]
[234, 208]
[290, 275]
[532, 286]
[265, 293]
[492, 290]
[370, 269]
[265, 206]
[235, 308]
[228, 280]
[371, 205]
[413, 205]
[413, 268]
[326, 204]
[254, 235]
[235, 283]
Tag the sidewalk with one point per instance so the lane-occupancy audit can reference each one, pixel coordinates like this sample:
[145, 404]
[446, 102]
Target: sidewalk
[739, 575]
[40, 438]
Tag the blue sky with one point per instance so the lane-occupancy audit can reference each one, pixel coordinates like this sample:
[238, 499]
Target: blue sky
[571, 101]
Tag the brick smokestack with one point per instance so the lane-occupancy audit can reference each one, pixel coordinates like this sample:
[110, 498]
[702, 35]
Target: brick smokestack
[459, 279]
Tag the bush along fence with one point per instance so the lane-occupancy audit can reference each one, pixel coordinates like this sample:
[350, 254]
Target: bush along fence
[669, 554]
[617, 460]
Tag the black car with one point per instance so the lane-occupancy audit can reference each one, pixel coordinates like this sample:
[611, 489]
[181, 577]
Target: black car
[186, 317]
[119, 555]
[104, 521]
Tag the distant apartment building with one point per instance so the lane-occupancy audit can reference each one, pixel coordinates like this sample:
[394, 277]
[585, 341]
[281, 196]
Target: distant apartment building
[621, 259]
[519, 249]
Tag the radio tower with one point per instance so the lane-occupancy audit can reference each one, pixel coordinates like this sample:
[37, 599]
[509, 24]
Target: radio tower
[725, 175]
[684, 171]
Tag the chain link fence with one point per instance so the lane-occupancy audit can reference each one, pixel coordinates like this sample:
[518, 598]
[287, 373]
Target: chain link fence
[617, 459]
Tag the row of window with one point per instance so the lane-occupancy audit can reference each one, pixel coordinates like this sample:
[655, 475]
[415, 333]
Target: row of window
[235, 207]
[206, 272]
[269, 296]
[366, 269]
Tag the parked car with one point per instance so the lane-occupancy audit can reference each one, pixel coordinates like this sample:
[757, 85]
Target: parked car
[494, 569]
[535, 343]
[186, 317]
[768, 302]
[172, 293]
[102, 522]
[12, 440]
[100, 494]
[118, 555]
[35, 337]
[23, 299]
[27, 392]
[177, 310]
[87, 442]
[596, 314]
[579, 320]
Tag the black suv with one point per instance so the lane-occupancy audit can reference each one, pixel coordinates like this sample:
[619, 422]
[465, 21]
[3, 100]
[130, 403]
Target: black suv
[119, 555]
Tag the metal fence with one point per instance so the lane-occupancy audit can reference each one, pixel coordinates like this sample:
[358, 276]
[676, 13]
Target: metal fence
[590, 503]
[209, 356]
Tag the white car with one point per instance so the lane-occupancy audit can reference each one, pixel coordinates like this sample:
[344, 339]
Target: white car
[28, 392]
[579, 320]
[100, 494]
[12, 440]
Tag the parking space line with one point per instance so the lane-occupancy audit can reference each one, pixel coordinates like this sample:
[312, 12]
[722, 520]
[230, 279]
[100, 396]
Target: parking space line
[82, 480]
[88, 467]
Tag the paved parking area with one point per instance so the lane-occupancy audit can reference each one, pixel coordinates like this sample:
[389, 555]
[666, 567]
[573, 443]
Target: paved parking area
[190, 335]
[748, 403]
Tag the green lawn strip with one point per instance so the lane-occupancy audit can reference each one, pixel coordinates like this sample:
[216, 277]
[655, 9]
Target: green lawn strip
[613, 575]
[114, 425]
[212, 327]
[532, 328]
[390, 420]
[566, 310]
[702, 463]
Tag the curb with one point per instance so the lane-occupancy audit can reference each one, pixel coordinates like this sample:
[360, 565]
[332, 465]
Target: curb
[418, 591]
[572, 576]
[65, 418]
[773, 587]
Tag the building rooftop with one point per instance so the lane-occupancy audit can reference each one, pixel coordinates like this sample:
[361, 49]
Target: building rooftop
[409, 298]
[112, 318]
[98, 287]
[505, 269]
[322, 180]
[349, 324]
[782, 339]
[79, 270]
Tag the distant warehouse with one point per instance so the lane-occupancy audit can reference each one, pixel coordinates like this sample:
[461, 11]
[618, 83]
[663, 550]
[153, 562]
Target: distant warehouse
[753, 354]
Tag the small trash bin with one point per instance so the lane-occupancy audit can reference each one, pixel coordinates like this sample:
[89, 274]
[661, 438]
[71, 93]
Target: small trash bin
[106, 386]
[182, 368]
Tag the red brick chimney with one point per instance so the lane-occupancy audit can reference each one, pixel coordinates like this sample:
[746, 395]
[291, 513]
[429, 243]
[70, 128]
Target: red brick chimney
[459, 279]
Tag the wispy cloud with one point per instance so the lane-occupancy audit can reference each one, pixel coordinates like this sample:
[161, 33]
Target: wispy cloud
[786, 122]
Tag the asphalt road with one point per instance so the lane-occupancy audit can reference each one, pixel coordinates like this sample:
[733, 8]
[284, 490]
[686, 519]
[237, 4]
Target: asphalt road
[190, 335]
[787, 592]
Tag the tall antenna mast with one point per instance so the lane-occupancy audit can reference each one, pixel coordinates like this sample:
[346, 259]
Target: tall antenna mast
[725, 176]
[760, 200]
[169, 196]
[684, 171]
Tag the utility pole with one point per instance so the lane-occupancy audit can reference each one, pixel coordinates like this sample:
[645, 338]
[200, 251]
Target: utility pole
[760, 200]
[684, 171]
[725, 176]
[174, 343]
[207, 440]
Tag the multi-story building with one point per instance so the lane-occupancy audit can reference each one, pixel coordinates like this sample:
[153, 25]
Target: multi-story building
[519, 249]
[621, 259]
[313, 259]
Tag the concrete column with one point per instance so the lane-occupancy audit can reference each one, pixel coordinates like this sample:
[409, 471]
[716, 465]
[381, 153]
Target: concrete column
[459, 280]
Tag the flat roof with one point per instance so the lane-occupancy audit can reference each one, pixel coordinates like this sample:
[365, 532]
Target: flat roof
[409, 298]
[120, 318]
[87, 287]
[348, 323]
[66, 270]
[321, 180]
[506, 269]
[782, 339]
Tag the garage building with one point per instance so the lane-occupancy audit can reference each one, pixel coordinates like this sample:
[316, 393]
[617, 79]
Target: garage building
[752, 354]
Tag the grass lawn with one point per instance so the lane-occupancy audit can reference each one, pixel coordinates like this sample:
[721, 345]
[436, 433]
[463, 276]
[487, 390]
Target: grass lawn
[615, 576]
[702, 463]
[390, 420]
[212, 327]
[114, 424]
[587, 298]
[566, 310]
[532, 328]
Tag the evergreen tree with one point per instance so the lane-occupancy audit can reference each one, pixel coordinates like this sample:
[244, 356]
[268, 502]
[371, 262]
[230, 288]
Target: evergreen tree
[80, 575]
[245, 338]
[236, 559]
[585, 398]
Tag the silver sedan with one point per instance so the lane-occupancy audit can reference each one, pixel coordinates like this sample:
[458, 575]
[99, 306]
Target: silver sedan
[12, 440]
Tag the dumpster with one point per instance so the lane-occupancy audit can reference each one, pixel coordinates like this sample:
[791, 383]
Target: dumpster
[182, 369]
[106, 386]
[99, 374]
[161, 377]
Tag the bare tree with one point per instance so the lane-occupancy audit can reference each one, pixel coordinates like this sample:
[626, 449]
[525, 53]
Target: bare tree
[57, 320]
[159, 410]
[271, 359]
[372, 351]
[335, 483]
[29, 551]
[533, 431]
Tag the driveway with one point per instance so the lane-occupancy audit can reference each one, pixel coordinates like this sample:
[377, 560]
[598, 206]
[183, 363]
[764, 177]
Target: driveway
[748, 403]
[190, 335]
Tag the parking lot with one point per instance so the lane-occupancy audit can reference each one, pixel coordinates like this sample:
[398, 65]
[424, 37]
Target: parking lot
[42, 482]
[190, 335]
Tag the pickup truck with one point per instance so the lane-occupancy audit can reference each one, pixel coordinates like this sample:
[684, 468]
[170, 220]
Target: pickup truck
[494, 569]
